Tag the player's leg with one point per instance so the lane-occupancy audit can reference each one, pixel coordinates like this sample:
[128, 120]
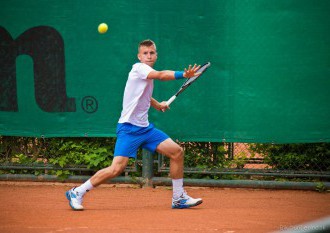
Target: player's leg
[126, 147]
[175, 153]
[118, 165]
[75, 195]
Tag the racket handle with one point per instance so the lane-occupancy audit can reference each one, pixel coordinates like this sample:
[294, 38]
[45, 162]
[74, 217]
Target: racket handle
[171, 100]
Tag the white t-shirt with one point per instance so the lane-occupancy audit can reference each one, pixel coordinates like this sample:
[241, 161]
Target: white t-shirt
[137, 96]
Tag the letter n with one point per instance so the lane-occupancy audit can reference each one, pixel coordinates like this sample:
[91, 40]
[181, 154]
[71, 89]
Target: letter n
[46, 48]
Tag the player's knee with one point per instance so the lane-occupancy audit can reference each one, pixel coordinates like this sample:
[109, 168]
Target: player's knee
[178, 155]
[115, 170]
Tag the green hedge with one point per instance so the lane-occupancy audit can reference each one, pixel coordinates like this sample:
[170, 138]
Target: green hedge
[97, 153]
[305, 156]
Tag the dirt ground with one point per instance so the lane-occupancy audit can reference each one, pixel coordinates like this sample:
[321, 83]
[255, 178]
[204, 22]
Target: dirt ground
[34, 207]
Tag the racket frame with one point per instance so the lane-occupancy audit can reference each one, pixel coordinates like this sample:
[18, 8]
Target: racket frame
[185, 85]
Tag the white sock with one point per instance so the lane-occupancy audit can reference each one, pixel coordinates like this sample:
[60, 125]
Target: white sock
[85, 187]
[177, 188]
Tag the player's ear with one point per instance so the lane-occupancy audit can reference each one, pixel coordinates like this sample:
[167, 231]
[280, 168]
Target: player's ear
[138, 56]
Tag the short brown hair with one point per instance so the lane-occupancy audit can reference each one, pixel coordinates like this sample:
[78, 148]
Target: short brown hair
[147, 43]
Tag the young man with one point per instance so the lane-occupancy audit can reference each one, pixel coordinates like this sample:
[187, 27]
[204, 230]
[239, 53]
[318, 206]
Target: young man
[134, 129]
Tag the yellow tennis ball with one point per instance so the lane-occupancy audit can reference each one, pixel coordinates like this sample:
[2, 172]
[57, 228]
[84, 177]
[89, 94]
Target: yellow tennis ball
[102, 28]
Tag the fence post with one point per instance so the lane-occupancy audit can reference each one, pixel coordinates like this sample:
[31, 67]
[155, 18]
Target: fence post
[231, 151]
[147, 168]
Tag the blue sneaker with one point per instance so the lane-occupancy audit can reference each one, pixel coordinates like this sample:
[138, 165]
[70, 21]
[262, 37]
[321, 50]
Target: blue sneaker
[184, 201]
[75, 200]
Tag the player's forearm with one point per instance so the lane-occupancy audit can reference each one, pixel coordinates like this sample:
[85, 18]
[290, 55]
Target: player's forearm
[159, 106]
[154, 103]
[172, 75]
[167, 75]
[162, 75]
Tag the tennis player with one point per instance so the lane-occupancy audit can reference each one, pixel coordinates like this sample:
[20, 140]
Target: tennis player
[134, 129]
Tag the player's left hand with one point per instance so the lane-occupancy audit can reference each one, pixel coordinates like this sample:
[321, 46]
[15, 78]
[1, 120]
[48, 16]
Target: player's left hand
[191, 71]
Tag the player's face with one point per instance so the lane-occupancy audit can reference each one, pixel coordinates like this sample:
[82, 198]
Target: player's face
[148, 55]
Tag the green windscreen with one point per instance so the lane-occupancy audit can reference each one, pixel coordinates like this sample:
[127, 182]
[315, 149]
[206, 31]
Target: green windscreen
[269, 80]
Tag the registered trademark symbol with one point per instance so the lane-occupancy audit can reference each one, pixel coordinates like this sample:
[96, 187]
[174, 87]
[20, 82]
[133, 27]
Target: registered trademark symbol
[89, 104]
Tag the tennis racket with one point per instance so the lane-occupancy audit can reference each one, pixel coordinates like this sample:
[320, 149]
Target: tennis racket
[188, 82]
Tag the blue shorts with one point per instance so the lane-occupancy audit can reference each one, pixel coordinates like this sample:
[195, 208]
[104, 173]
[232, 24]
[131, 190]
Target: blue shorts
[130, 138]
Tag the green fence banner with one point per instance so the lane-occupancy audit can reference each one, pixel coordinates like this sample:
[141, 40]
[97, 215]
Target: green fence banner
[269, 80]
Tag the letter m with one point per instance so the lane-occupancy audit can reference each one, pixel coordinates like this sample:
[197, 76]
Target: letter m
[46, 48]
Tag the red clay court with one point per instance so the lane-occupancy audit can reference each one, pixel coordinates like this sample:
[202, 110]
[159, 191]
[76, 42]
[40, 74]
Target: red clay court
[33, 207]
